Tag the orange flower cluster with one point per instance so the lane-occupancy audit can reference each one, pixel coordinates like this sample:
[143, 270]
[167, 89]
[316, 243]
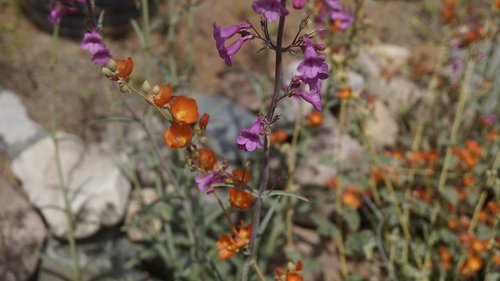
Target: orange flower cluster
[239, 198]
[184, 111]
[421, 158]
[292, 273]
[228, 246]
[470, 154]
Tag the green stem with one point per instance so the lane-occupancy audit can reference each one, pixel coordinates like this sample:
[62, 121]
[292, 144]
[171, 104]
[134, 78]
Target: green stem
[457, 120]
[258, 271]
[53, 134]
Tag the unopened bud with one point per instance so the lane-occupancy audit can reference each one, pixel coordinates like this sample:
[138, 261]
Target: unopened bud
[156, 89]
[146, 86]
[124, 88]
[111, 65]
[107, 72]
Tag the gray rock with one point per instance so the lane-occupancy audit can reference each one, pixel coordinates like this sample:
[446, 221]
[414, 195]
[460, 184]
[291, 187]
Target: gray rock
[17, 130]
[100, 259]
[226, 121]
[96, 186]
[22, 234]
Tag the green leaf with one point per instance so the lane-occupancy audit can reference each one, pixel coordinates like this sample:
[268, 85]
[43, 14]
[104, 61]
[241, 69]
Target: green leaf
[286, 193]
[450, 195]
[355, 242]
[351, 217]
[325, 227]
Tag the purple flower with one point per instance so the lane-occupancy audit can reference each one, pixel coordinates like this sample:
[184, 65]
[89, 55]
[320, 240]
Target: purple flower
[92, 42]
[205, 183]
[298, 4]
[456, 64]
[223, 34]
[270, 9]
[59, 8]
[313, 66]
[249, 138]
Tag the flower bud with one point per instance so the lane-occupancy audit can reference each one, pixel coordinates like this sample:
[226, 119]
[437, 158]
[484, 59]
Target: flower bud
[107, 72]
[146, 86]
[111, 65]
[156, 89]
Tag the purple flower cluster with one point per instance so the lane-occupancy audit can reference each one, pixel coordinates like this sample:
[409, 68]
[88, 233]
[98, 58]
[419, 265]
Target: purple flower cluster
[312, 70]
[341, 18]
[249, 139]
[221, 35]
[59, 8]
[270, 9]
[92, 42]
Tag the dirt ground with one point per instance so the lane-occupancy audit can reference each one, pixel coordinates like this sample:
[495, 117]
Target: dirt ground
[25, 49]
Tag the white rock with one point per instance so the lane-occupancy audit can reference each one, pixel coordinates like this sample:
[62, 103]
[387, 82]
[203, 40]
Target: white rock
[383, 128]
[22, 235]
[95, 183]
[17, 130]
[395, 56]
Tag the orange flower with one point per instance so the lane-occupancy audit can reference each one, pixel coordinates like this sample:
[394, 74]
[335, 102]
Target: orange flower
[124, 68]
[474, 148]
[332, 183]
[278, 136]
[184, 110]
[378, 174]
[292, 272]
[445, 257]
[468, 179]
[479, 246]
[204, 121]
[496, 257]
[452, 223]
[471, 265]
[498, 4]
[493, 135]
[239, 198]
[344, 93]
[227, 247]
[164, 95]
[351, 197]
[207, 158]
[240, 177]
[178, 135]
[315, 118]
[243, 236]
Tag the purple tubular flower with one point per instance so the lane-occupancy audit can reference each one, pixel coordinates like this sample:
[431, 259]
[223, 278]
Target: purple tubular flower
[92, 42]
[249, 139]
[59, 8]
[205, 183]
[228, 53]
[298, 4]
[488, 119]
[314, 99]
[313, 66]
[270, 9]
[223, 34]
